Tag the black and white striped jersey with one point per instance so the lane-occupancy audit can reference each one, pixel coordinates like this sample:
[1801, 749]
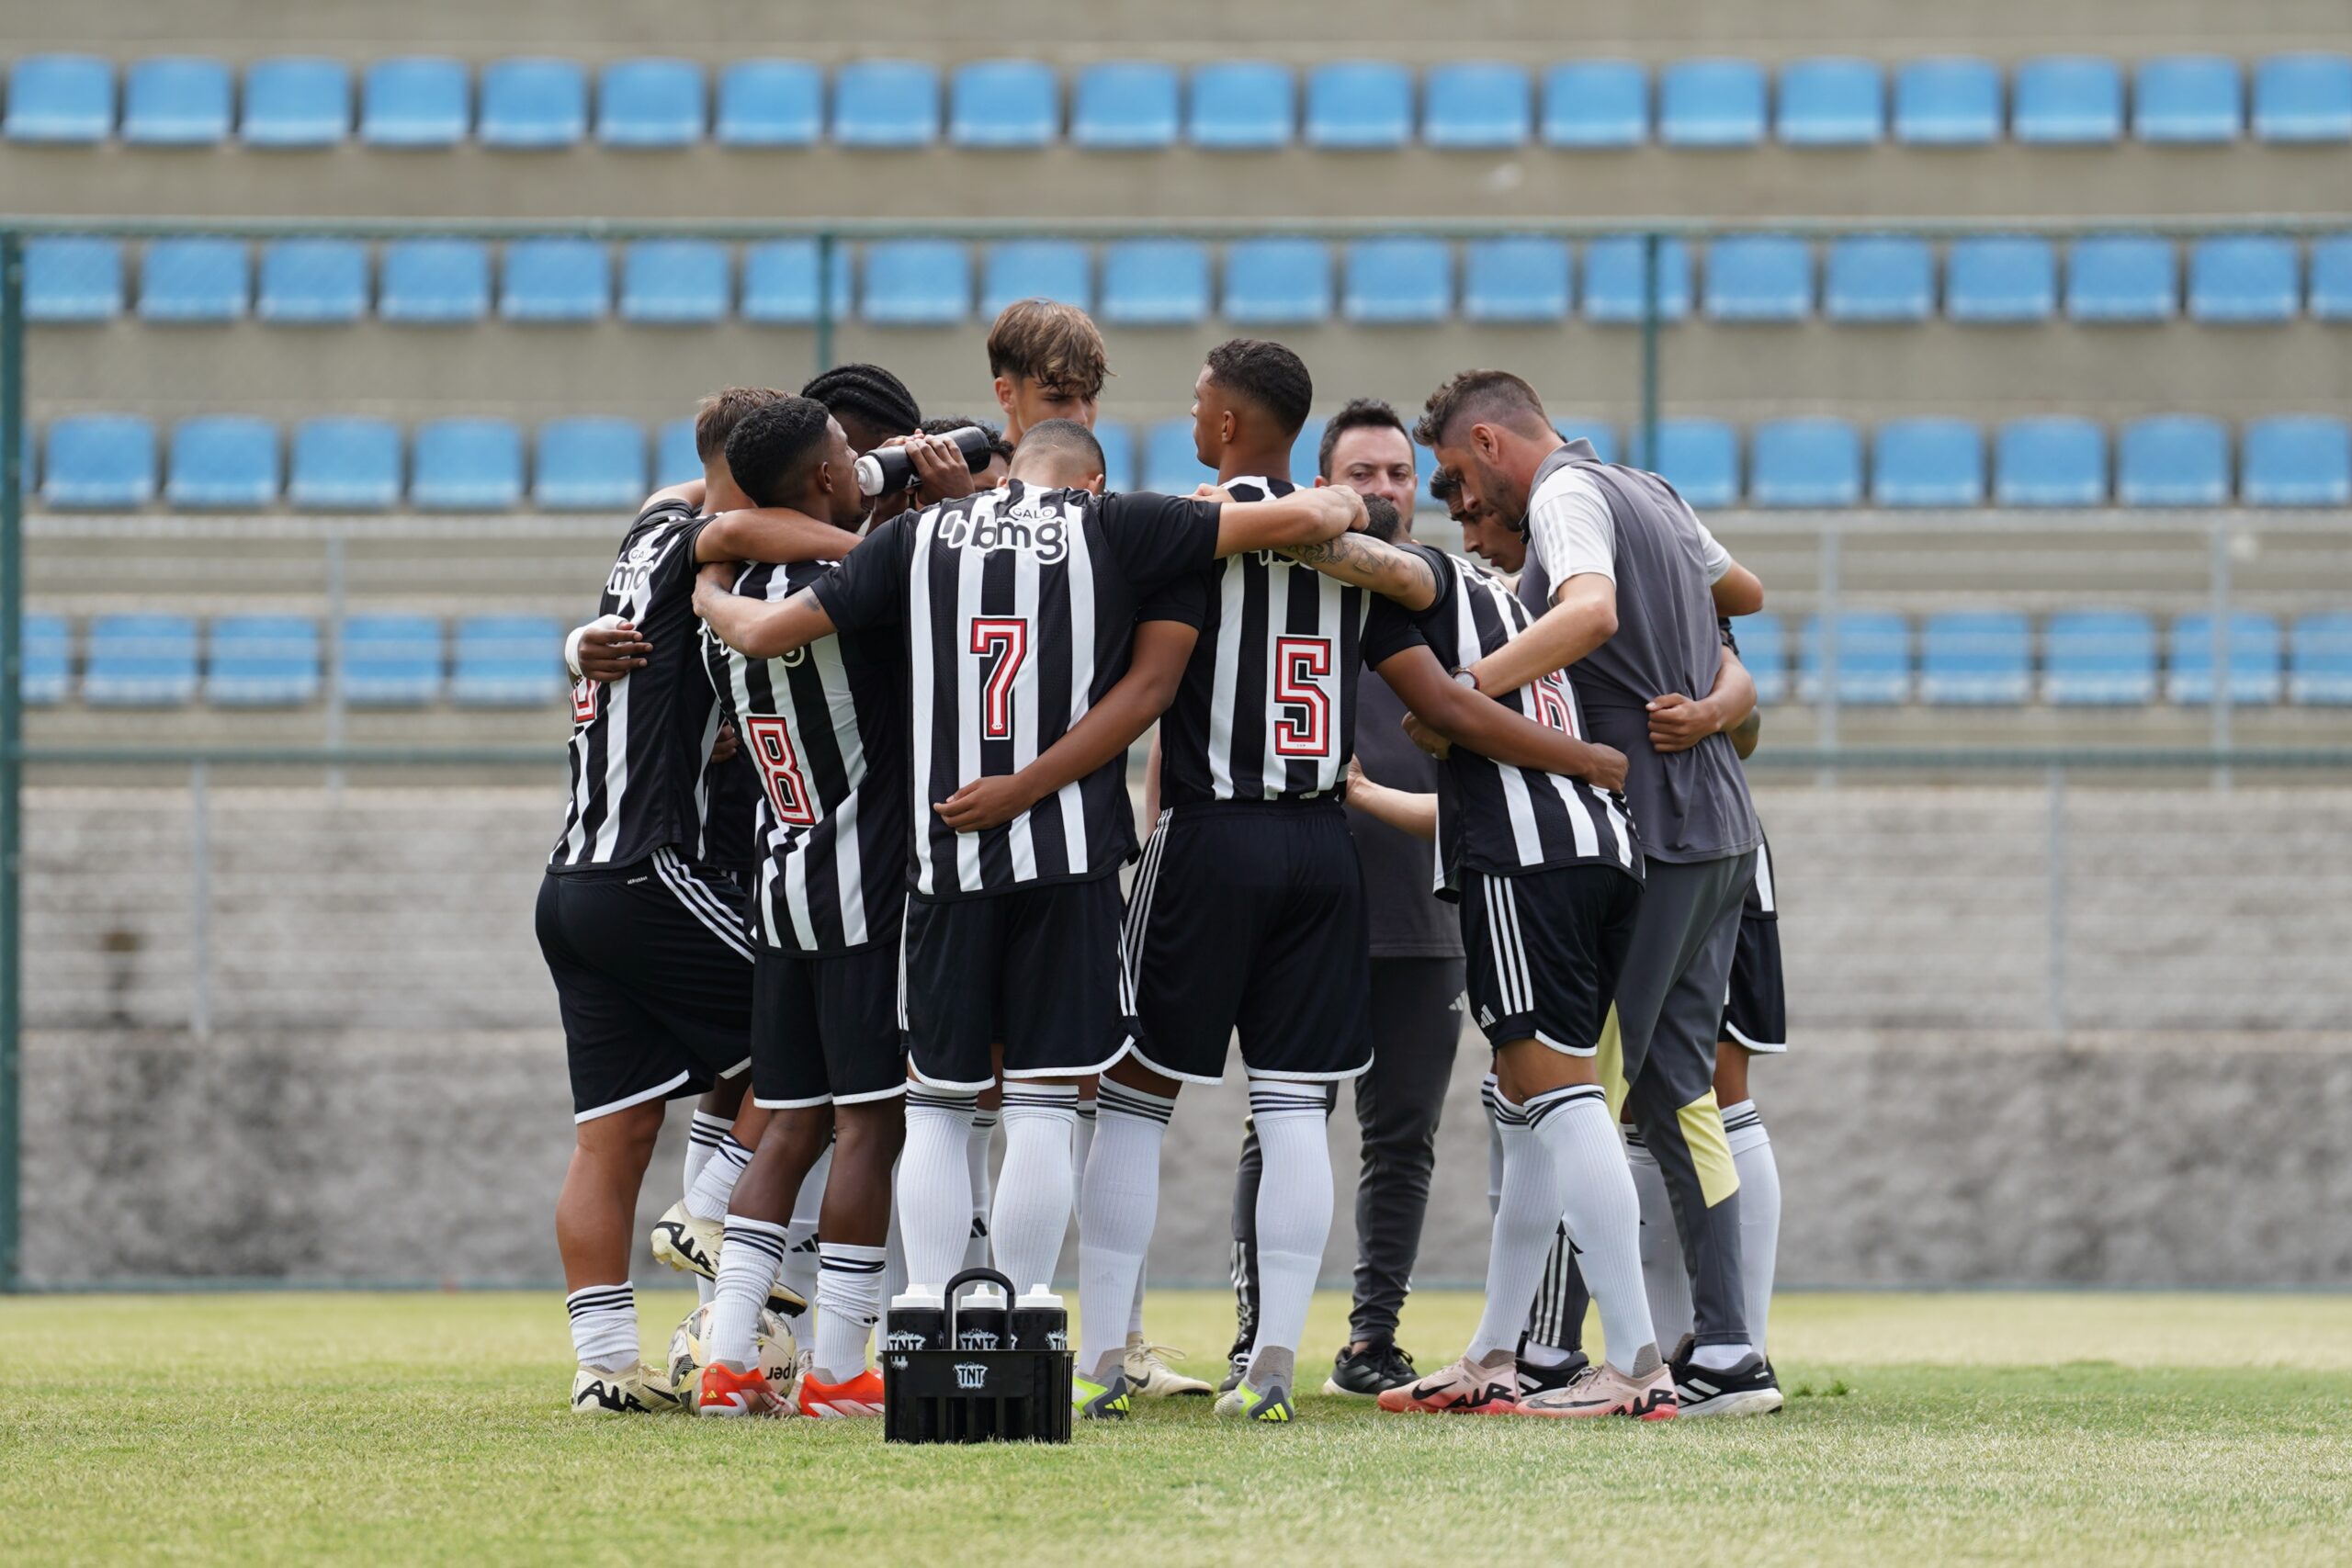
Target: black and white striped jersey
[1018, 610]
[1493, 817]
[1763, 904]
[1267, 710]
[638, 744]
[824, 729]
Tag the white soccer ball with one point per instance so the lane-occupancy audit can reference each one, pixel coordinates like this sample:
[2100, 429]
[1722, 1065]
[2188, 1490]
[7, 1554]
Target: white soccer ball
[690, 1352]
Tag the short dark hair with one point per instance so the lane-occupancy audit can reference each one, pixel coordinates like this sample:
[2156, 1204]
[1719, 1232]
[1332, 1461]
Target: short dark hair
[775, 447]
[997, 446]
[868, 393]
[1049, 343]
[1445, 485]
[1494, 395]
[1067, 437]
[1361, 413]
[1381, 518]
[719, 414]
[1267, 374]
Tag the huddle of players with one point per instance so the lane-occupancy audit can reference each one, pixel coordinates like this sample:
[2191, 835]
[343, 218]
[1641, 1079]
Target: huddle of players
[939, 717]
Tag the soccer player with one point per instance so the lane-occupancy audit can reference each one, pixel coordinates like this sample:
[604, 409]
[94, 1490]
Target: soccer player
[1627, 583]
[651, 955]
[1048, 362]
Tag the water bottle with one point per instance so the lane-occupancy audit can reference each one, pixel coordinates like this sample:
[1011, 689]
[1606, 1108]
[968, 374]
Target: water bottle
[888, 468]
[981, 1321]
[917, 1321]
[1039, 1321]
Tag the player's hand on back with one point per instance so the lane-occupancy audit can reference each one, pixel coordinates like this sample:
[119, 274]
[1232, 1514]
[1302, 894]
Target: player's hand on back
[724, 748]
[1211, 493]
[1428, 740]
[715, 580]
[1676, 723]
[1608, 770]
[607, 653]
[985, 803]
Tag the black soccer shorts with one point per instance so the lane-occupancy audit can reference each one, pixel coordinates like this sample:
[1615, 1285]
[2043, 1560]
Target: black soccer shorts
[653, 968]
[825, 1027]
[1756, 1004]
[1033, 969]
[1249, 915]
[1544, 949]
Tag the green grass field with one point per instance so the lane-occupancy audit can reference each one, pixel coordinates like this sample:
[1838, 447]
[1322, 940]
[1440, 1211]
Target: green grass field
[2101, 1429]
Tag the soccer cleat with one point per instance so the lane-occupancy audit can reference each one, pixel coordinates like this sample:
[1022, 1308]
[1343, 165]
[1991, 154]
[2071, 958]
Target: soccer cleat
[1747, 1389]
[1369, 1372]
[1237, 1363]
[727, 1392]
[1102, 1402]
[1466, 1388]
[861, 1395]
[1150, 1377]
[1535, 1380]
[1245, 1403]
[691, 1246]
[1602, 1390]
[634, 1391]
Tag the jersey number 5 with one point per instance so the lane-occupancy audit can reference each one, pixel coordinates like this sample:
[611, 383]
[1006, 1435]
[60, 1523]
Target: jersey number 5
[787, 790]
[1002, 645]
[1301, 665]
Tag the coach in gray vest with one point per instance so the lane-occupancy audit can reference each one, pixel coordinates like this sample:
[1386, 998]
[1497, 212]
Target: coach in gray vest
[1627, 583]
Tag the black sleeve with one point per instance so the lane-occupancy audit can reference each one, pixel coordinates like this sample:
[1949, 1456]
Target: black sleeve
[1158, 537]
[1389, 630]
[869, 588]
[1723, 626]
[1184, 599]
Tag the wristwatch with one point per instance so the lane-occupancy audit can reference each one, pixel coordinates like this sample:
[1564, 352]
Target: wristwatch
[1468, 677]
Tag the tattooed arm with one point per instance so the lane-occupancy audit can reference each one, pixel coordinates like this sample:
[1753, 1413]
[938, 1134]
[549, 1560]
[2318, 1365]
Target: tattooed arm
[1360, 559]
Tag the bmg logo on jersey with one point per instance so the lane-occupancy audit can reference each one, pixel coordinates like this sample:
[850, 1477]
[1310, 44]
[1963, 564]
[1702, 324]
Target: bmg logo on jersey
[1045, 534]
[630, 571]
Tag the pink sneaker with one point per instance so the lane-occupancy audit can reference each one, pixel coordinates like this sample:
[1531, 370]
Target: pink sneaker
[1466, 1388]
[1601, 1389]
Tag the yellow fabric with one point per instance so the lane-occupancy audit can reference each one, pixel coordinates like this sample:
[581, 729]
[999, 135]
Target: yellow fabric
[1609, 1064]
[1703, 1130]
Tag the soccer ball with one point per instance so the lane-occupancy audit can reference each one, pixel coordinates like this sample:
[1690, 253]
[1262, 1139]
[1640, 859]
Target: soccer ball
[689, 1353]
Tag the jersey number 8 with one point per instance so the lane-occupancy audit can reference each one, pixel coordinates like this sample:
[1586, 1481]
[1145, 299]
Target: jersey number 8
[787, 790]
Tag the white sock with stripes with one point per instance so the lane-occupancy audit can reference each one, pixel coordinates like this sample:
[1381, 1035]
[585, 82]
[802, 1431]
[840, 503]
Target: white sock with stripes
[1664, 1278]
[800, 1236]
[1527, 1216]
[1082, 1141]
[703, 1134]
[849, 1296]
[604, 1326]
[1293, 1219]
[975, 1250]
[1032, 1202]
[714, 1186]
[1603, 1216]
[1122, 1203]
[1759, 1210]
[747, 1263]
[935, 1183]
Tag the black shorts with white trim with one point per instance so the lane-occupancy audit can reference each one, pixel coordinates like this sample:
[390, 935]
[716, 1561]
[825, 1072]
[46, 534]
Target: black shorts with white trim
[1544, 951]
[825, 1027]
[652, 969]
[1756, 1006]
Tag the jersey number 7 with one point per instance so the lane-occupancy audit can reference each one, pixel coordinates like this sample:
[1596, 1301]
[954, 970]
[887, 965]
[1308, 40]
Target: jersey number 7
[1002, 645]
[771, 741]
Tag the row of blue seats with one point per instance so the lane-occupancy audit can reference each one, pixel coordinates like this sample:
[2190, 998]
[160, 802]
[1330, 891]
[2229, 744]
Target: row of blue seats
[542, 102]
[1267, 282]
[467, 463]
[2088, 658]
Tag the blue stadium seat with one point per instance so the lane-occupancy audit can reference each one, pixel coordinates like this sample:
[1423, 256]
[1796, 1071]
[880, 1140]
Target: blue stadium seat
[71, 277]
[1927, 462]
[1400, 279]
[2303, 97]
[2330, 299]
[141, 661]
[2248, 277]
[177, 102]
[296, 102]
[1170, 466]
[1832, 103]
[1601, 435]
[780, 282]
[650, 103]
[1874, 659]
[1616, 281]
[1880, 278]
[1760, 277]
[2322, 654]
[2173, 461]
[223, 460]
[1124, 105]
[2187, 98]
[585, 465]
[1975, 658]
[675, 282]
[259, 661]
[1043, 269]
[1805, 462]
[770, 103]
[194, 280]
[1277, 282]
[2052, 460]
[1004, 103]
[47, 672]
[886, 103]
[391, 661]
[433, 281]
[1712, 103]
[1764, 649]
[1361, 102]
[2257, 665]
[2068, 99]
[531, 104]
[555, 280]
[98, 460]
[1155, 283]
[675, 461]
[466, 464]
[1596, 103]
[345, 465]
[1700, 458]
[917, 283]
[1517, 279]
[60, 97]
[2121, 277]
[1243, 106]
[2001, 278]
[1470, 105]
[308, 281]
[2296, 461]
[2098, 657]
[415, 101]
[1953, 102]
[507, 661]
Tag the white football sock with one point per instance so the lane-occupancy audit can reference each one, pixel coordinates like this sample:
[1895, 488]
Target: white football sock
[1603, 1216]
[801, 1236]
[848, 1294]
[1032, 1202]
[1081, 1141]
[1490, 1095]
[604, 1326]
[935, 1183]
[1135, 1310]
[976, 1249]
[703, 1134]
[748, 1264]
[1664, 1276]
[1121, 1203]
[1294, 1219]
[894, 1249]
[714, 1186]
[1760, 1212]
[1527, 1217]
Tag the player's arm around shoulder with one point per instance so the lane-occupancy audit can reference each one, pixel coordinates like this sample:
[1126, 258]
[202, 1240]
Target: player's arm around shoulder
[1302, 517]
[773, 534]
[755, 627]
[1393, 572]
[1583, 615]
[1469, 719]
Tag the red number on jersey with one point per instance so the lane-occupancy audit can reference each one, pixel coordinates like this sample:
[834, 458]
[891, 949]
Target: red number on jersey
[1301, 664]
[787, 790]
[1001, 644]
[584, 700]
[1552, 709]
